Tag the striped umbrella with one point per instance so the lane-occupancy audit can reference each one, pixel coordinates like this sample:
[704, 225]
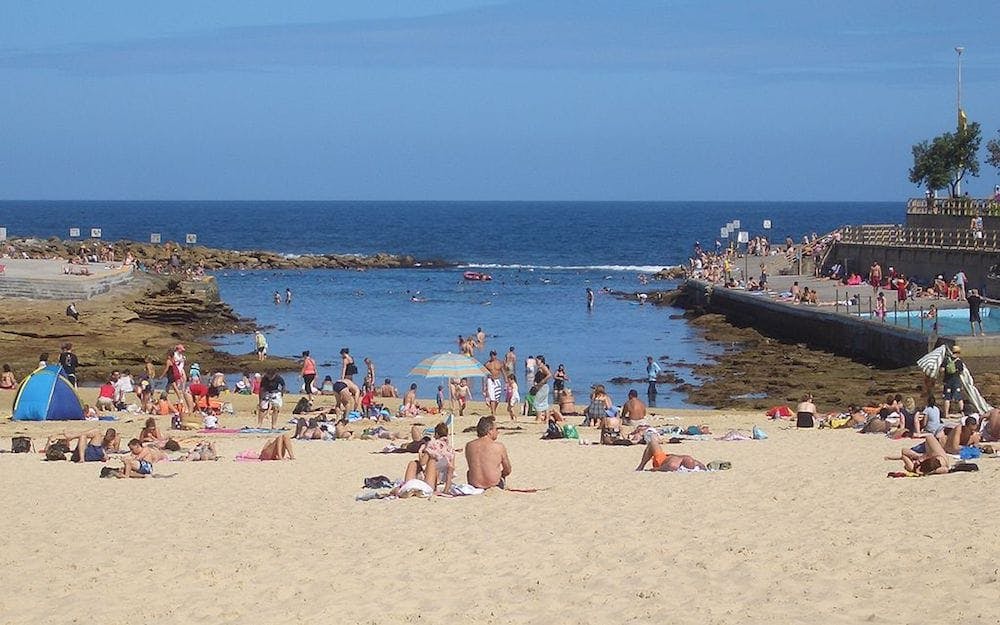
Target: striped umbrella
[450, 366]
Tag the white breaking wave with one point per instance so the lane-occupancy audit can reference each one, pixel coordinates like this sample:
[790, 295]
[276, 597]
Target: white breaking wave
[631, 268]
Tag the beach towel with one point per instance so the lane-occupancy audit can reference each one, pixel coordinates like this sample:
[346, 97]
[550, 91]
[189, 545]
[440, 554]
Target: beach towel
[780, 412]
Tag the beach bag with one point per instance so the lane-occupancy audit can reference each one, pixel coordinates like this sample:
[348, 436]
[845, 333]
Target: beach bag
[569, 431]
[20, 445]
[552, 431]
[56, 451]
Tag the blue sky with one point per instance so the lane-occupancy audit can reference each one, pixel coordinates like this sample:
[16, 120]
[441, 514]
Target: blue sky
[466, 99]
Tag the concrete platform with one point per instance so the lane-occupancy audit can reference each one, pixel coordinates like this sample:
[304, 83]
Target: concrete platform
[831, 326]
[47, 279]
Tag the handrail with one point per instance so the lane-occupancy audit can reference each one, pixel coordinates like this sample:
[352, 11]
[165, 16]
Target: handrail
[901, 236]
[956, 207]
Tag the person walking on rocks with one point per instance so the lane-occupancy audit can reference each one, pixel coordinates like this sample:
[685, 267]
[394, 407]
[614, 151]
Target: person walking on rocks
[261, 344]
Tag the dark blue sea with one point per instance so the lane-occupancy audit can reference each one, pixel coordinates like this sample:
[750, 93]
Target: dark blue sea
[542, 256]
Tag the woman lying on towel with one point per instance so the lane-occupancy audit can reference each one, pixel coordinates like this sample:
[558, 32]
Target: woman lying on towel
[662, 461]
[276, 449]
[928, 458]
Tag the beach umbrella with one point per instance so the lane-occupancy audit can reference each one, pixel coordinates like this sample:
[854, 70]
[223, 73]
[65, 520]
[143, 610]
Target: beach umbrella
[931, 365]
[449, 366]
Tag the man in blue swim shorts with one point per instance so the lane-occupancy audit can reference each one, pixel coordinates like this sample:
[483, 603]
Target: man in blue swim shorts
[140, 463]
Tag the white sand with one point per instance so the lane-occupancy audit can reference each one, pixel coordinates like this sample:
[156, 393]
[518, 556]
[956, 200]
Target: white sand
[804, 528]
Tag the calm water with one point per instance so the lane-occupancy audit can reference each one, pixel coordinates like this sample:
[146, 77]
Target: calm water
[542, 255]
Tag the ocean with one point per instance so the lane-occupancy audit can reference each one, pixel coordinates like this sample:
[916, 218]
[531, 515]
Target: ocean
[542, 256]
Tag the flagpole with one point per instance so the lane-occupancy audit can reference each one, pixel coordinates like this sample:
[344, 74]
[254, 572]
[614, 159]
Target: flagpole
[958, 101]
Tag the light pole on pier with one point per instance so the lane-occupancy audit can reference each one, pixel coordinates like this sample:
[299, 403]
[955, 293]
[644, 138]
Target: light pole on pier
[958, 103]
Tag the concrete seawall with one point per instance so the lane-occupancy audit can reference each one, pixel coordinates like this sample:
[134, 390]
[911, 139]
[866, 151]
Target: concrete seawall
[817, 327]
[23, 284]
[922, 262]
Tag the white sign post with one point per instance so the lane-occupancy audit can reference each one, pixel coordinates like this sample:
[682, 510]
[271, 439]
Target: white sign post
[3, 234]
[191, 239]
[736, 224]
[95, 233]
[74, 233]
[767, 224]
[154, 237]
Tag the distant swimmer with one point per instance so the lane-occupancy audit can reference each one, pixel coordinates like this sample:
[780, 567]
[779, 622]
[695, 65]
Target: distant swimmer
[418, 300]
[590, 298]
[277, 297]
[288, 296]
[642, 298]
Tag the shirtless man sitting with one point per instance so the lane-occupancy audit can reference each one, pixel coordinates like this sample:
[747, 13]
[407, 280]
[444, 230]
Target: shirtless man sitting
[387, 389]
[662, 461]
[488, 462]
[140, 462]
[634, 411]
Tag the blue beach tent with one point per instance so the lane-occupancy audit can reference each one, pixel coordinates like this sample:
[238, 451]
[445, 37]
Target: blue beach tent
[47, 395]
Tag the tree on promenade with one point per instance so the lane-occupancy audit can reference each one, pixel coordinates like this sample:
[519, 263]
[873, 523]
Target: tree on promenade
[947, 159]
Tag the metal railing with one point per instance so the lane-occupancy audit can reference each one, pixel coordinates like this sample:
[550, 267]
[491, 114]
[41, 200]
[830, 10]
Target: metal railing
[891, 235]
[958, 207]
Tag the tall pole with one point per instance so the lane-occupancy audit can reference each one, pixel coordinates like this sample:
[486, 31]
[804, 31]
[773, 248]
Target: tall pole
[958, 112]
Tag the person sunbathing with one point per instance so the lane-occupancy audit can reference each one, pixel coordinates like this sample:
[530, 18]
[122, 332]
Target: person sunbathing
[991, 426]
[140, 461]
[931, 459]
[205, 450]
[92, 446]
[435, 463]
[275, 449]
[662, 461]
[611, 431]
[150, 433]
[489, 464]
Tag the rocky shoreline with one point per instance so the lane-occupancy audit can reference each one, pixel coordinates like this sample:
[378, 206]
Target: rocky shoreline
[179, 256]
[756, 371]
[119, 330]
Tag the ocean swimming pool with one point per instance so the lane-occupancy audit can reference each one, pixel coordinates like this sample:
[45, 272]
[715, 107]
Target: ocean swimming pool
[951, 321]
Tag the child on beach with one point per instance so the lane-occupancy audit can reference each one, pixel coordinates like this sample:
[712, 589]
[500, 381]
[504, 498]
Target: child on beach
[513, 397]
[440, 398]
[462, 395]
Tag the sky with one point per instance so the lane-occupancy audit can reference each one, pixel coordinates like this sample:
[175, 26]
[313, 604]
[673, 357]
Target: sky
[486, 100]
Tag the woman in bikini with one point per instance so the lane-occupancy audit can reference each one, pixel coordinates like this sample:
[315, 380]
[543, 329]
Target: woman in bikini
[662, 461]
[932, 459]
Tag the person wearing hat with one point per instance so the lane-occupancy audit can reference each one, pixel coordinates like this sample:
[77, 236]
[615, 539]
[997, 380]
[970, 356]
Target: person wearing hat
[952, 368]
[195, 372]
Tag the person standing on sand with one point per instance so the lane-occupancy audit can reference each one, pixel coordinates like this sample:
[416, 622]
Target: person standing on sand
[480, 338]
[69, 362]
[492, 385]
[462, 394]
[369, 372]
[489, 464]
[261, 345]
[540, 388]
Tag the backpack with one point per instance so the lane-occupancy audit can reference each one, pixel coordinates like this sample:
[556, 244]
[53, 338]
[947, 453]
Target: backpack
[953, 366]
[20, 445]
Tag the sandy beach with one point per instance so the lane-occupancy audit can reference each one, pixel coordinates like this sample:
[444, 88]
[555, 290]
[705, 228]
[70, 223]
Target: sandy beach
[805, 527]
